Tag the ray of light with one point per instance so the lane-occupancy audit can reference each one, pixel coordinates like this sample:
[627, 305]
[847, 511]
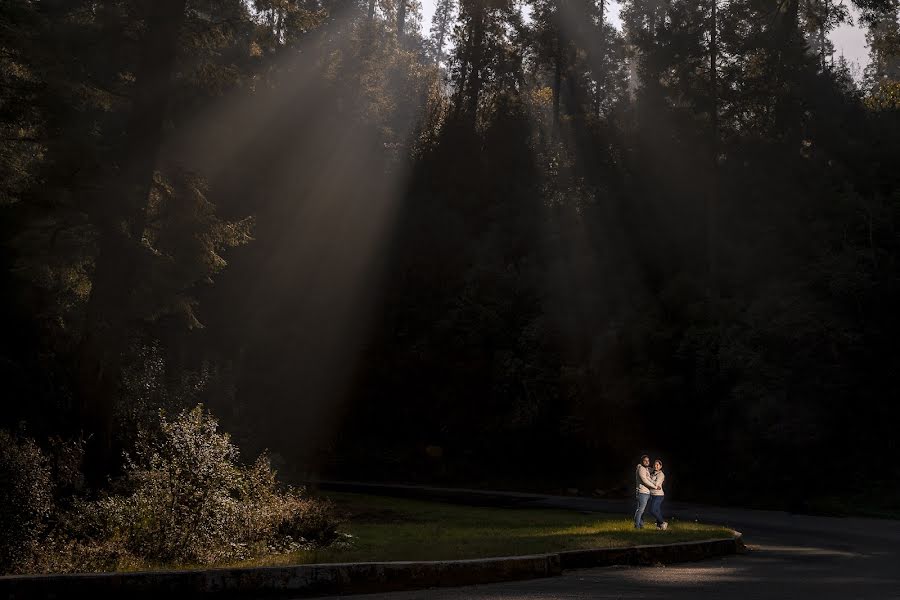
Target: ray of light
[327, 192]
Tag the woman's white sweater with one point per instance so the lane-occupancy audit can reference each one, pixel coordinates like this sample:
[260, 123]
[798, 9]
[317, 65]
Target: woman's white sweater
[658, 477]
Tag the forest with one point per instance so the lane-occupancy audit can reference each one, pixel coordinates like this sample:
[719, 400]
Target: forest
[513, 249]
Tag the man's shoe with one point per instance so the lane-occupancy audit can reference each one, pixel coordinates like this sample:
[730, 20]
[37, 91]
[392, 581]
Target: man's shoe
[664, 526]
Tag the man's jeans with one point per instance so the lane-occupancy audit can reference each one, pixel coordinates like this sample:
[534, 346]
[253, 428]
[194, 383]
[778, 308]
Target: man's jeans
[639, 513]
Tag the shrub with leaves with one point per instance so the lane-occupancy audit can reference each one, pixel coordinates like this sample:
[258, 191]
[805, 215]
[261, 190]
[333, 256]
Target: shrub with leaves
[186, 499]
[26, 498]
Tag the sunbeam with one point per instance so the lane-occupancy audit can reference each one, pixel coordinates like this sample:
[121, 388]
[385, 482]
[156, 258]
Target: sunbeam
[325, 166]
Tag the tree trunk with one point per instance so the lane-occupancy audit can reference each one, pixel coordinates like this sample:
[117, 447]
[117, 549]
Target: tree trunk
[476, 63]
[151, 102]
[601, 60]
[787, 107]
[791, 20]
[460, 104]
[557, 81]
[573, 100]
[121, 224]
[279, 27]
[712, 196]
[439, 50]
[100, 351]
[823, 23]
[558, 66]
[401, 22]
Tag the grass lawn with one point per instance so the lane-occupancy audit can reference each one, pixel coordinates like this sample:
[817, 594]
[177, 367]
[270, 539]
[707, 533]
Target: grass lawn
[379, 528]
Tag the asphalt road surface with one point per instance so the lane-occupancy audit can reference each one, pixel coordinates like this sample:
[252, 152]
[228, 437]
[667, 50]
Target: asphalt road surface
[789, 556]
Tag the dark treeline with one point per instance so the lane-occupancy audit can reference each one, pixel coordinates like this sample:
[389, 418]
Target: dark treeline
[515, 251]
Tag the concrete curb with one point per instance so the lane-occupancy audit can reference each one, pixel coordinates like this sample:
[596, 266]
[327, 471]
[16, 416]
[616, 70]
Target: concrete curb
[352, 578]
[296, 581]
[652, 554]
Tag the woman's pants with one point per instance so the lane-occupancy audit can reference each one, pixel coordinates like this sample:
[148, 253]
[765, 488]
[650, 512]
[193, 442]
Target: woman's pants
[654, 507]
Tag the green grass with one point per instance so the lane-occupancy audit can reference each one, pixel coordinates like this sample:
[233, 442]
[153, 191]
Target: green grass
[387, 529]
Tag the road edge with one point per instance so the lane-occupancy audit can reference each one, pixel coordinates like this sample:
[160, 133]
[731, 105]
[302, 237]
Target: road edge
[354, 578]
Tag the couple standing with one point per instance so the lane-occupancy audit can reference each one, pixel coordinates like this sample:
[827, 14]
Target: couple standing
[649, 492]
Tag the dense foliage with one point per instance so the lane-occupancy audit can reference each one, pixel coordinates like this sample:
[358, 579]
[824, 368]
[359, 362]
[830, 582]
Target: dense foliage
[518, 251]
[183, 499]
[26, 497]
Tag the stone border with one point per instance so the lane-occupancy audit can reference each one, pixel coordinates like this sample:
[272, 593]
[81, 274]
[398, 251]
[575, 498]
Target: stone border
[652, 554]
[353, 578]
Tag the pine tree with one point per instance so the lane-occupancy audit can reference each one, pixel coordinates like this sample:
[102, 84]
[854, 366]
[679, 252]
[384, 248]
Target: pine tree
[441, 26]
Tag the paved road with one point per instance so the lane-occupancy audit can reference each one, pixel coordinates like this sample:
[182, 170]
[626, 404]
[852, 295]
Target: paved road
[790, 557]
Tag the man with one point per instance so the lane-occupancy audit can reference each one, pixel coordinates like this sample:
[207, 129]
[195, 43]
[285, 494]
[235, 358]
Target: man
[643, 485]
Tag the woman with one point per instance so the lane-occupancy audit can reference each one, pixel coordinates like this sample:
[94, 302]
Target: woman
[657, 495]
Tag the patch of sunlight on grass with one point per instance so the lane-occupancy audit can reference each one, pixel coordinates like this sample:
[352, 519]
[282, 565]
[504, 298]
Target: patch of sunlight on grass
[380, 528]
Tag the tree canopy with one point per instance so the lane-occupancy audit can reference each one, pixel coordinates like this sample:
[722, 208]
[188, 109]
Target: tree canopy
[517, 249]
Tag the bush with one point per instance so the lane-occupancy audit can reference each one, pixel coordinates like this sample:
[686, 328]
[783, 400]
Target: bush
[185, 499]
[26, 499]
